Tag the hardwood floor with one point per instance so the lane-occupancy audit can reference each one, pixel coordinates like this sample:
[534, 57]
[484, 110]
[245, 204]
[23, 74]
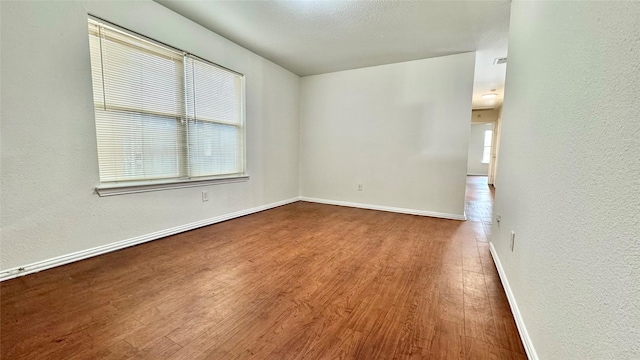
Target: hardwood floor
[302, 281]
[479, 202]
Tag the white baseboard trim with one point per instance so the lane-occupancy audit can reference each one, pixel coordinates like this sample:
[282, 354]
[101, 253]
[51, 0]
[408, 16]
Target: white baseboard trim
[84, 254]
[476, 174]
[386, 208]
[522, 329]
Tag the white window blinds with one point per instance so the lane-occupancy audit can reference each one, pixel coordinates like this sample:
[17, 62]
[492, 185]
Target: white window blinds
[161, 113]
[214, 111]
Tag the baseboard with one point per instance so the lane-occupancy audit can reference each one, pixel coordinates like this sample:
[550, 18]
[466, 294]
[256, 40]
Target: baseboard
[476, 174]
[84, 254]
[385, 208]
[522, 329]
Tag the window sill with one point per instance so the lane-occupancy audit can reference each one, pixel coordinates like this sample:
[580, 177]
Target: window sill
[133, 188]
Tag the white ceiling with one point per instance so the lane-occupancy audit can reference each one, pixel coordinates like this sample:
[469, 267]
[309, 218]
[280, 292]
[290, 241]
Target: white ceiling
[313, 37]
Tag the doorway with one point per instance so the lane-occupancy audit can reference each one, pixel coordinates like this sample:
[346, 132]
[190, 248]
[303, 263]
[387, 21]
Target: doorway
[480, 149]
[484, 143]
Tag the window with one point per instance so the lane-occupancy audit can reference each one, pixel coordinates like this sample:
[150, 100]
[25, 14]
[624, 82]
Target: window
[486, 154]
[162, 115]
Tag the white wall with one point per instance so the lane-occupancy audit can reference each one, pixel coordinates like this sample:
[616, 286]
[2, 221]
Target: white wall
[484, 116]
[401, 130]
[570, 177]
[49, 156]
[476, 150]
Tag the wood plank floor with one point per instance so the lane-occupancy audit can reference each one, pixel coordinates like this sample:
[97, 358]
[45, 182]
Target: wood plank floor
[302, 281]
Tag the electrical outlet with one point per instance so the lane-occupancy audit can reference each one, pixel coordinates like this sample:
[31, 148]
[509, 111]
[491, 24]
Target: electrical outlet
[205, 196]
[498, 218]
[513, 239]
[359, 187]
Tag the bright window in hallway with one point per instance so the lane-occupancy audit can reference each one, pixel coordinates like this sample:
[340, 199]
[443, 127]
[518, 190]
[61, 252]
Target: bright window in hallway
[486, 154]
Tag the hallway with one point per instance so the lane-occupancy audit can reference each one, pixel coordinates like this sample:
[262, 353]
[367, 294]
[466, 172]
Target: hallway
[478, 205]
[489, 317]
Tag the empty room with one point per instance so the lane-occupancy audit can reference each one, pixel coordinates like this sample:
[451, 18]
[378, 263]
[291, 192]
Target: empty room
[319, 180]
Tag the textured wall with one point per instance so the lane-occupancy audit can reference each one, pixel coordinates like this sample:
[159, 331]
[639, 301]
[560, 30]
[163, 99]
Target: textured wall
[570, 177]
[49, 156]
[401, 130]
[484, 116]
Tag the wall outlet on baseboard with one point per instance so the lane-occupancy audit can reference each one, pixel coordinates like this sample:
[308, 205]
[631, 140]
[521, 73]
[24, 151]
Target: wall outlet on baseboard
[359, 187]
[513, 239]
[205, 196]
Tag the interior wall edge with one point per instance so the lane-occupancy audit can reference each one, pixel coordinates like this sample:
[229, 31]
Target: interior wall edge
[513, 304]
[435, 214]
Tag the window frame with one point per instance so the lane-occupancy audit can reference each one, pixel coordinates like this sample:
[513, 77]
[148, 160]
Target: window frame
[118, 187]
